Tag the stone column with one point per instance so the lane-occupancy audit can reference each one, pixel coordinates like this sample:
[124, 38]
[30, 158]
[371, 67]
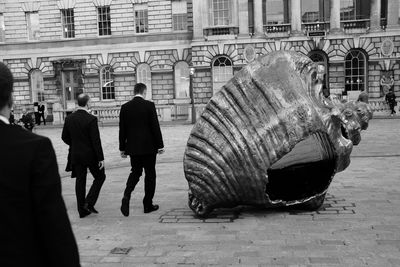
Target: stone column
[393, 14]
[243, 18]
[296, 17]
[375, 18]
[335, 16]
[258, 18]
[198, 18]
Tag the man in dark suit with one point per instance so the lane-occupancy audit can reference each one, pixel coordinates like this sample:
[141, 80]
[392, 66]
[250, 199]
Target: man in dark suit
[41, 109]
[34, 227]
[81, 133]
[140, 138]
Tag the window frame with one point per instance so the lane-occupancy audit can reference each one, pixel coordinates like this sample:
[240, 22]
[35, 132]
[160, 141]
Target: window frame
[33, 29]
[147, 80]
[220, 70]
[104, 20]
[285, 13]
[2, 28]
[68, 23]
[182, 78]
[37, 94]
[227, 8]
[349, 83]
[141, 18]
[107, 76]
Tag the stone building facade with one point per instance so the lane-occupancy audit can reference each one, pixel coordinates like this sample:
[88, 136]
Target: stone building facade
[59, 48]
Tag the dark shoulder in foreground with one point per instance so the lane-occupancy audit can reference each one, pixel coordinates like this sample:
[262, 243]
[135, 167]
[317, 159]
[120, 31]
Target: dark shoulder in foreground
[20, 134]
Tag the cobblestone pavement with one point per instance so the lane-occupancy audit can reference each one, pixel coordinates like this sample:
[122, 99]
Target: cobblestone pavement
[359, 224]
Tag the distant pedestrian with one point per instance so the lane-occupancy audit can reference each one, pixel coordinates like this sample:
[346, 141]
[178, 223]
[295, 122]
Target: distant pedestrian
[36, 112]
[391, 101]
[27, 120]
[41, 109]
[34, 227]
[81, 133]
[140, 137]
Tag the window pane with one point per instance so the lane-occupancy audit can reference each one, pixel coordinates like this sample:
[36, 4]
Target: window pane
[181, 71]
[143, 75]
[107, 83]
[221, 12]
[33, 25]
[2, 28]
[355, 70]
[104, 20]
[222, 72]
[37, 85]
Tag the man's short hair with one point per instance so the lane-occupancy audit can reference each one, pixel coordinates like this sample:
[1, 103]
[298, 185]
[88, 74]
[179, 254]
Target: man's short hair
[6, 85]
[139, 88]
[83, 99]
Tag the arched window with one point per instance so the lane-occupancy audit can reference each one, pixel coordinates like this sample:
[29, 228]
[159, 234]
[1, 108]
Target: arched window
[143, 75]
[37, 85]
[181, 72]
[107, 83]
[222, 71]
[320, 57]
[355, 71]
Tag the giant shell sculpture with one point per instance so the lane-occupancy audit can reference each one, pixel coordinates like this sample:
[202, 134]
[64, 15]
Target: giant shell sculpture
[269, 137]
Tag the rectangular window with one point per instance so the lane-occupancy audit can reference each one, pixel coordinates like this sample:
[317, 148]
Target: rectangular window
[353, 10]
[104, 20]
[221, 12]
[179, 15]
[277, 12]
[68, 23]
[2, 29]
[315, 11]
[33, 25]
[141, 18]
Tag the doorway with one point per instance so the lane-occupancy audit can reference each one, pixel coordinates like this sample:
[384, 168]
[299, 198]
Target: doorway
[71, 89]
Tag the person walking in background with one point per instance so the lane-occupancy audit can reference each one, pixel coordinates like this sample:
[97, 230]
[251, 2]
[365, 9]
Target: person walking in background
[81, 133]
[140, 137]
[34, 228]
[36, 112]
[41, 109]
[391, 101]
[27, 120]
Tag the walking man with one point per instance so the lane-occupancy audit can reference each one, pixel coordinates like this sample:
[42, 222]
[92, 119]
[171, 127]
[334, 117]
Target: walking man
[82, 135]
[34, 228]
[140, 137]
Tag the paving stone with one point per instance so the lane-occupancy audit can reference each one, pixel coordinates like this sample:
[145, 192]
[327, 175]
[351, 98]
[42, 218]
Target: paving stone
[364, 232]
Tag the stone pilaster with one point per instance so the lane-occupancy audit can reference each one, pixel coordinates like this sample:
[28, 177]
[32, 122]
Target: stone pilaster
[198, 17]
[335, 17]
[258, 18]
[393, 14]
[375, 17]
[296, 17]
[243, 17]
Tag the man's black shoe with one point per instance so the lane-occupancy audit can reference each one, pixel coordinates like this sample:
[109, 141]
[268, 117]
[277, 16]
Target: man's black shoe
[125, 207]
[84, 212]
[92, 209]
[150, 208]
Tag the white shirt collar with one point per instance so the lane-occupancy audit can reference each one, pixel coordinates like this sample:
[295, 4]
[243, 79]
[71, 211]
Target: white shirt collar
[82, 108]
[4, 119]
[138, 96]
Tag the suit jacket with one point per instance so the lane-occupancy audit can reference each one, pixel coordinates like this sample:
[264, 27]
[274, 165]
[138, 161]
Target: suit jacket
[81, 133]
[34, 227]
[139, 130]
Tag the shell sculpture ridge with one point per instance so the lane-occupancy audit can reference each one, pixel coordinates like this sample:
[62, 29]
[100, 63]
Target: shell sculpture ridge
[270, 138]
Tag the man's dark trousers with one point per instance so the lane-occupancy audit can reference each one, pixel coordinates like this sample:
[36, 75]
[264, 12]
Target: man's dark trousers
[138, 163]
[80, 185]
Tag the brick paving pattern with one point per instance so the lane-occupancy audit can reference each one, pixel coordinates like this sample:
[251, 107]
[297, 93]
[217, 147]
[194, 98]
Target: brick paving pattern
[359, 224]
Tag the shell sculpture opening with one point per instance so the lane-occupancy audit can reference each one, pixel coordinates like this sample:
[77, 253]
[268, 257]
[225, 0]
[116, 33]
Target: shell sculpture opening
[269, 137]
